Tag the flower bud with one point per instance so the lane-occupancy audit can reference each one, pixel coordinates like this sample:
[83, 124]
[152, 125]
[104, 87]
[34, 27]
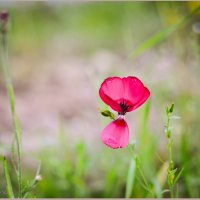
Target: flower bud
[171, 165]
[38, 177]
[107, 113]
[168, 133]
[171, 108]
[4, 16]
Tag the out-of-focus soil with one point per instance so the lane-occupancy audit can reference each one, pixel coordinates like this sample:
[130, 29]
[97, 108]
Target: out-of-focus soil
[58, 86]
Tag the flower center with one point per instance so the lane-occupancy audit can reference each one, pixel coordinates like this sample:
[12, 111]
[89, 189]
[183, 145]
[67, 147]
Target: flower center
[124, 108]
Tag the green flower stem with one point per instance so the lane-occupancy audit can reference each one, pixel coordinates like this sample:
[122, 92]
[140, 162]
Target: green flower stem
[171, 171]
[10, 92]
[140, 172]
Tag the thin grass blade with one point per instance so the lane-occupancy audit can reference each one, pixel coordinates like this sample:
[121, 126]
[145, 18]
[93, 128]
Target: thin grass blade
[130, 178]
[160, 36]
[8, 181]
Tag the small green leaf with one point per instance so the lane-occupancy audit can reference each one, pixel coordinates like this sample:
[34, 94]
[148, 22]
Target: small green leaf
[8, 181]
[171, 108]
[178, 176]
[173, 171]
[107, 113]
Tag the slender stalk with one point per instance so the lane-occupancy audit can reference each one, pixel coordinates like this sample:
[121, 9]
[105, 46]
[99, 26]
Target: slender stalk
[10, 92]
[142, 175]
[8, 181]
[140, 172]
[171, 170]
[32, 185]
[170, 141]
[144, 180]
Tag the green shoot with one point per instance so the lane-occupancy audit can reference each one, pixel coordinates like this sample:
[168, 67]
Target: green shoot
[171, 172]
[10, 92]
[8, 181]
[17, 164]
[139, 174]
[32, 185]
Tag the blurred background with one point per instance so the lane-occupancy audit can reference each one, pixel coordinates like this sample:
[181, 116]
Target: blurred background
[59, 54]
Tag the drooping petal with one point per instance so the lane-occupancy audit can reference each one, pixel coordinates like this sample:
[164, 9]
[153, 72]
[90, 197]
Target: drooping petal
[116, 134]
[129, 90]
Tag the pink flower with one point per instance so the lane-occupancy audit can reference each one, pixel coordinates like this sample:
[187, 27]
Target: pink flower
[122, 95]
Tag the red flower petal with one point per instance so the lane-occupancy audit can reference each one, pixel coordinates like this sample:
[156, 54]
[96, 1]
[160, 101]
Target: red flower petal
[115, 90]
[110, 91]
[116, 134]
[145, 96]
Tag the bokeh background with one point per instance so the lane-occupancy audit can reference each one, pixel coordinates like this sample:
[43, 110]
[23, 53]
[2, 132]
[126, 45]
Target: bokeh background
[59, 54]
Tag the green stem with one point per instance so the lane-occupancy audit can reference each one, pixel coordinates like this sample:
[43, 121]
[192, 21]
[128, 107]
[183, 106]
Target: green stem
[169, 139]
[172, 192]
[169, 147]
[10, 92]
[143, 179]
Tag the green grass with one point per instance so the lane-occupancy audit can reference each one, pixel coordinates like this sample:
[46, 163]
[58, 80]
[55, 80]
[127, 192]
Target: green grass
[9, 188]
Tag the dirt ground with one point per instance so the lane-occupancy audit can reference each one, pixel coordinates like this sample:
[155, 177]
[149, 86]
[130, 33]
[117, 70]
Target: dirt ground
[57, 86]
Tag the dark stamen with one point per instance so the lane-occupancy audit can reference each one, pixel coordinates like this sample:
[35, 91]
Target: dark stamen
[124, 107]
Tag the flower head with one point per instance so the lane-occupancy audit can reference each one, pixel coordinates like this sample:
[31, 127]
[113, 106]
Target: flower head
[122, 95]
[38, 177]
[4, 16]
